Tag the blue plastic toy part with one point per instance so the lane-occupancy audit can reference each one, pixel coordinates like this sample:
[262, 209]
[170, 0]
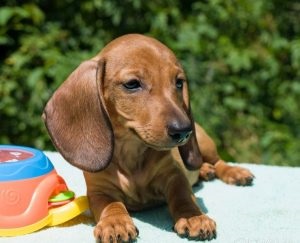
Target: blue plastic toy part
[36, 164]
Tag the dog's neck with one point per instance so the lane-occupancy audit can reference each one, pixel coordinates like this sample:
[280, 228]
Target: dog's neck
[129, 152]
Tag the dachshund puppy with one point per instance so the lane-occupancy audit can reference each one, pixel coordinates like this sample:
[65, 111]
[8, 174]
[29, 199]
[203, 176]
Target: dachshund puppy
[124, 118]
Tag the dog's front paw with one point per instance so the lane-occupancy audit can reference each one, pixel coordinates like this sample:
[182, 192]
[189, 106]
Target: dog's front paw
[207, 172]
[234, 175]
[196, 228]
[115, 229]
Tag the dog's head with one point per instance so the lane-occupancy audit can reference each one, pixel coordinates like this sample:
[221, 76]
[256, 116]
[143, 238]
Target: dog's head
[135, 85]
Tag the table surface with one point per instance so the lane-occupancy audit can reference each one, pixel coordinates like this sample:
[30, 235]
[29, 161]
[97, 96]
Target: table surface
[266, 212]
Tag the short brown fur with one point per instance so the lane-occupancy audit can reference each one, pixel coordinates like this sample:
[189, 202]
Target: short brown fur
[124, 118]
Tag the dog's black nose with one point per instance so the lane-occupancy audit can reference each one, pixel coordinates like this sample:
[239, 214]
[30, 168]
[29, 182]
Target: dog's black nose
[179, 132]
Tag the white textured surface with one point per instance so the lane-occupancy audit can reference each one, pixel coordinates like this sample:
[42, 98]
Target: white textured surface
[267, 212]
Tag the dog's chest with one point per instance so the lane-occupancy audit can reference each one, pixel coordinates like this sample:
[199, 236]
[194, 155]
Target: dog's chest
[138, 175]
[139, 190]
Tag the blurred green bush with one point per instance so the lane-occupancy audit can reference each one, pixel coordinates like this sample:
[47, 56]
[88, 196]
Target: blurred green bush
[242, 59]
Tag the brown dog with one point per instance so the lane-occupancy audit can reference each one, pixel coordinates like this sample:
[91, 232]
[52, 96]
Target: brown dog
[124, 118]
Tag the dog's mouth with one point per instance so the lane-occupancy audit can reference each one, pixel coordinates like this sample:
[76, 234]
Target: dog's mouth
[163, 147]
[164, 142]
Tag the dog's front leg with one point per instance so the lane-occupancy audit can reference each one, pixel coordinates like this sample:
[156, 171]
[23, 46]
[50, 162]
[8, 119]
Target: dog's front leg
[113, 221]
[189, 220]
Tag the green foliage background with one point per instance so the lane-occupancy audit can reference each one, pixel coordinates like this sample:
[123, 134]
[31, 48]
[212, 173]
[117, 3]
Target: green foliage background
[242, 58]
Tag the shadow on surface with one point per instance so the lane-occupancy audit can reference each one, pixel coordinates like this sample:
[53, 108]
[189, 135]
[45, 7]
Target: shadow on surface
[160, 217]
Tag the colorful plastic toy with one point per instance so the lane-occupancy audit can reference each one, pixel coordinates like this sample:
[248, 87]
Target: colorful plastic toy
[32, 194]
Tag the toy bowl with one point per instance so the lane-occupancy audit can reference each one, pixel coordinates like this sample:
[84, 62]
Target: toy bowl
[32, 194]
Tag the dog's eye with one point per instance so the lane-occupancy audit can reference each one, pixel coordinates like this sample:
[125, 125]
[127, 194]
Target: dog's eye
[179, 83]
[132, 85]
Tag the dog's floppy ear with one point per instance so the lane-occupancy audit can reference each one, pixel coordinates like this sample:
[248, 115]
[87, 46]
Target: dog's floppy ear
[190, 152]
[77, 120]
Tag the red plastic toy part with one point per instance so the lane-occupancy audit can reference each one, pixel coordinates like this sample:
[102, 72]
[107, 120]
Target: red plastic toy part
[26, 201]
[32, 194]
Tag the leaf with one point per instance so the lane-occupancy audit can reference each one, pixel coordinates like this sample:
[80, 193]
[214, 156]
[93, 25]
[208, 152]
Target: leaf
[5, 14]
[235, 103]
[34, 77]
[295, 53]
[35, 13]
